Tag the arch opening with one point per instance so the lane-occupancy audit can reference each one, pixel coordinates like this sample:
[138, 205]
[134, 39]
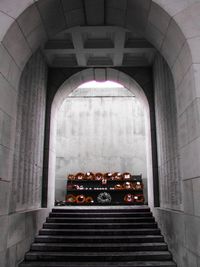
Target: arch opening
[68, 87]
[174, 37]
[100, 128]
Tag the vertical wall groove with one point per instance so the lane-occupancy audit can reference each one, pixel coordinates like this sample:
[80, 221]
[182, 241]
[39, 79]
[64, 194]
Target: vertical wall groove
[27, 171]
[166, 121]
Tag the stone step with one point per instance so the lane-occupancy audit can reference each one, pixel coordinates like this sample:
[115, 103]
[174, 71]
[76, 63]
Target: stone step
[100, 209]
[98, 256]
[99, 264]
[92, 232]
[98, 220]
[99, 239]
[99, 225]
[107, 247]
[100, 214]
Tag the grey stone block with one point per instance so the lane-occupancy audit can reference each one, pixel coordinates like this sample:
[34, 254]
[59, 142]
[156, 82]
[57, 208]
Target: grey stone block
[8, 68]
[3, 258]
[159, 18]
[5, 163]
[4, 232]
[183, 138]
[87, 75]
[100, 75]
[5, 22]
[115, 16]
[14, 75]
[182, 64]
[198, 262]
[188, 197]
[29, 20]
[190, 259]
[8, 97]
[120, 4]
[22, 248]
[11, 256]
[192, 225]
[189, 20]
[112, 75]
[195, 49]
[185, 92]
[189, 160]
[4, 197]
[19, 50]
[173, 43]
[136, 19]
[196, 195]
[72, 5]
[172, 225]
[14, 8]
[6, 127]
[154, 36]
[94, 7]
[177, 72]
[52, 14]
[196, 69]
[173, 6]
[5, 59]
[16, 228]
[37, 37]
[75, 18]
[193, 118]
[30, 224]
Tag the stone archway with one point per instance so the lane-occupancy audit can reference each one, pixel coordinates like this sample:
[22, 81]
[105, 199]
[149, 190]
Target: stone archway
[98, 75]
[173, 28]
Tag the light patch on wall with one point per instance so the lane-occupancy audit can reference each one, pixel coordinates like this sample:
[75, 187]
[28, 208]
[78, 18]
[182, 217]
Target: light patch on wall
[107, 84]
[100, 129]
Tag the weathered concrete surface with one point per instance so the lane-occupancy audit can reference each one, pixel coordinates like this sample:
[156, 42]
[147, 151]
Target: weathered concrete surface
[100, 130]
[167, 140]
[17, 233]
[28, 155]
[20, 189]
[172, 26]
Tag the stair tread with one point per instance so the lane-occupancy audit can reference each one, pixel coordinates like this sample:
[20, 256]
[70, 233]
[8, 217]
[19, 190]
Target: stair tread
[100, 213]
[82, 254]
[99, 245]
[102, 237]
[101, 223]
[119, 219]
[101, 230]
[97, 218]
[100, 264]
[102, 209]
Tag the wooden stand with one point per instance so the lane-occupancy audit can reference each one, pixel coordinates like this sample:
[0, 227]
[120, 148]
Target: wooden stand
[113, 192]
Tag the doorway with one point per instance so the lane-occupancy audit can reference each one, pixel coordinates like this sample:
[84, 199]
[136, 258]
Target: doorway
[100, 128]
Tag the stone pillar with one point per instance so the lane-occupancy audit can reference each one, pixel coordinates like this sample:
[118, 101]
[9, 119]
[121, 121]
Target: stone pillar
[167, 140]
[28, 155]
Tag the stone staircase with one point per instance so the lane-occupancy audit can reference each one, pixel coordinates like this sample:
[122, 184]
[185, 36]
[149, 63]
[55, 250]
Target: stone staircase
[99, 237]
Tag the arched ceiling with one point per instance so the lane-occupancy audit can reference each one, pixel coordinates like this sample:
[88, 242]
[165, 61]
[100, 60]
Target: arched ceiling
[32, 22]
[91, 46]
[82, 33]
[88, 40]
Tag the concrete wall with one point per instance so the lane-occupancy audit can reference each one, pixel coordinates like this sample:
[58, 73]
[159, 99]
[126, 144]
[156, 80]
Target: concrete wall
[100, 130]
[167, 143]
[29, 141]
[178, 220]
[173, 28]
[21, 191]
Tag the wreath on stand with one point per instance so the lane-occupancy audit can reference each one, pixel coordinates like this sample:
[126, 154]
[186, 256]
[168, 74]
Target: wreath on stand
[104, 198]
